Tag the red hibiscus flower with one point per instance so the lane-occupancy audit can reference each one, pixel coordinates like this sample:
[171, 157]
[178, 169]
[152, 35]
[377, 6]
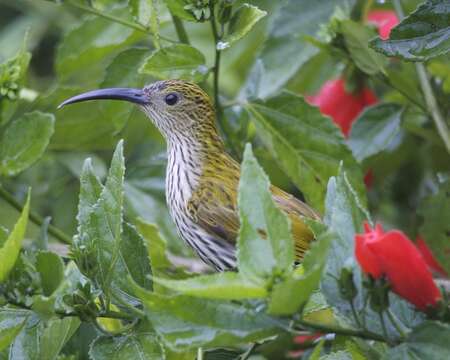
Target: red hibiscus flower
[393, 255]
[342, 106]
[384, 20]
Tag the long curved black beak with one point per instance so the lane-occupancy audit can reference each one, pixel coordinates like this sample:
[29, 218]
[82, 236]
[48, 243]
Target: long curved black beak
[136, 96]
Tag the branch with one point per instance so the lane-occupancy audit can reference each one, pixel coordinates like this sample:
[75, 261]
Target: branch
[179, 28]
[35, 218]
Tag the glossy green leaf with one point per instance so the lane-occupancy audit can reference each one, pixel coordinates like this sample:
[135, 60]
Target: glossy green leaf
[207, 323]
[51, 271]
[240, 24]
[265, 245]
[11, 247]
[375, 129]
[306, 145]
[86, 49]
[435, 230]
[11, 322]
[293, 292]
[356, 37]
[427, 341]
[178, 61]
[227, 286]
[422, 35]
[24, 141]
[132, 346]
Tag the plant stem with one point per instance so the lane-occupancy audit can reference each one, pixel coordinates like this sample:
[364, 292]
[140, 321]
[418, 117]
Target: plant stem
[199, 354]
[355, 315]
[138, 313]
[179, 28]
[135, 26]
[35, 218]
[430, 99]
[341, 331]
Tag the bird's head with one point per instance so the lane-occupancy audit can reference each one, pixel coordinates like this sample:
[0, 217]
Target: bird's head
[178, 108]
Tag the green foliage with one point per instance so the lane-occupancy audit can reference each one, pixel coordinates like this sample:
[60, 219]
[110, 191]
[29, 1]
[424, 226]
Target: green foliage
[176, 61]
[136, 346]
[127, 286]
[11, 246]
[427, 341]
[24, 141]
[375, 130]
[307, 146]
[240, 24]
[421, 36]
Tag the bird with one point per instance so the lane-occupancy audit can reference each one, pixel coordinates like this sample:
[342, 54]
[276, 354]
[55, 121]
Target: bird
[201, 177]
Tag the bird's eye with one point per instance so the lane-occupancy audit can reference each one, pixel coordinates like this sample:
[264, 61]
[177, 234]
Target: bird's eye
[171, 99]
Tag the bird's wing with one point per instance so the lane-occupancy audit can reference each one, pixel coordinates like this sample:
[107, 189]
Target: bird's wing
[297, 211]
[214, 207]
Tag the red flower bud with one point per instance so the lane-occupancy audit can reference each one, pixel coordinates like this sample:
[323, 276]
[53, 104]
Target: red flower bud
[429, 258]
[342, 106]
[394, 256]
[384, 20]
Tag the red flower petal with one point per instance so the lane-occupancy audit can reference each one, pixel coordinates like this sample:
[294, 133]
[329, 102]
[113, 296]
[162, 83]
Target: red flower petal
[429, 258]
[405, 269]
[342, 106]
[367, 260]
[384, 20]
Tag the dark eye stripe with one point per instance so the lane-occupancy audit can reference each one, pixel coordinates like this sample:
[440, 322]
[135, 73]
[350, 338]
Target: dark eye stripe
[171, 99]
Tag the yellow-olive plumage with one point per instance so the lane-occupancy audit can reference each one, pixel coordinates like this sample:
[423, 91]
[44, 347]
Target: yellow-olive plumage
[202, 179]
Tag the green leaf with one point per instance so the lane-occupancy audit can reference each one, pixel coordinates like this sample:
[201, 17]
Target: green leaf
[100, 220]
[133, 346]
[227, 286]
[429, 340]
[11, 247]
[344, 216]
[156, 246]
[86, 49]
[206, 323]
[422, 35]
[134, 256]
[435, 210]
[285, 50]
[51, 270]
[43, 340]
[24, 141]
[265, 245]
[306, 145]
[11, 323]
[178, 61]
[375, 129]
[290, 294]
[441, 69]
[240, 24]
[177, 7]
[356, 37]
